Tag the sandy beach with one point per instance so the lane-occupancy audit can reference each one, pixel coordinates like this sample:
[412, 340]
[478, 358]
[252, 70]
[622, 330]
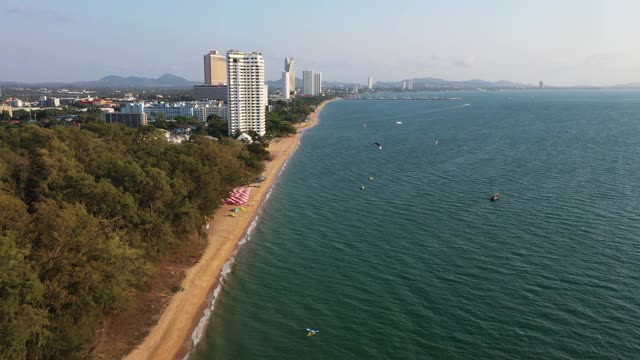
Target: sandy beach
[170, 338]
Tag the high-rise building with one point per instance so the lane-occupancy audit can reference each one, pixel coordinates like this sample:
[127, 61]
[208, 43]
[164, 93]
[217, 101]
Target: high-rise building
[290, 70]
[286, 89]
[265, 95]
[245, 95]
[215, 69]
[541, 85]
[404, 84]
[307, 81]
[317, 84]
[370, 83]
[410, 84]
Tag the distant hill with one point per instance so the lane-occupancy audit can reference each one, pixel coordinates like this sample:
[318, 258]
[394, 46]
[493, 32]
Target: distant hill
[421, 83]
[112, 81]
[119, 82]
[436, 83]
[277, 84]
[634, 85]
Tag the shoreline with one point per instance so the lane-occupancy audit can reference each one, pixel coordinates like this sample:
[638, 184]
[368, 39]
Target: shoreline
[187, 311]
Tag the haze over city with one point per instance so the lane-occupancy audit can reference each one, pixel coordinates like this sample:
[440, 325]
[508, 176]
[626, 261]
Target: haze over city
[563, 43]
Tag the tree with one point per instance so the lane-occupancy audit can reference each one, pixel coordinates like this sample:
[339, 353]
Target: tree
[22, 115]
[22, 318]
[158, 117]
[217, 126]
[186, 120]
[84, 211]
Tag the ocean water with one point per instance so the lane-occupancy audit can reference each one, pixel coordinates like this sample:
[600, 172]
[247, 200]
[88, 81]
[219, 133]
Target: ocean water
[419, 264]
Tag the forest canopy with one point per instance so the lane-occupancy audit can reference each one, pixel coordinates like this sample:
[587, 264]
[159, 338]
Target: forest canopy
[85, 211]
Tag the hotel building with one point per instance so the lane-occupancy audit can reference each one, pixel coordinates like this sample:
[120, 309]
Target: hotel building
[288, 78]
[245, 92]
[317, 84]
[215, 69]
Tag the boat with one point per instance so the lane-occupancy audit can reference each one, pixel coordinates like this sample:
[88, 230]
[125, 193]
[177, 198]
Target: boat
[399, 122]
[495, 197]
[312, 331]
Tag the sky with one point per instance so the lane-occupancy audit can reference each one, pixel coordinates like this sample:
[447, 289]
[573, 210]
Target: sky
[561, 42]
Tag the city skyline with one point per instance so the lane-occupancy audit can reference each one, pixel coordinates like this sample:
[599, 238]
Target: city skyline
[568, 43]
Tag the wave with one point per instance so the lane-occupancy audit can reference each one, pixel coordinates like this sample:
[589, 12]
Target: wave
[199, 330]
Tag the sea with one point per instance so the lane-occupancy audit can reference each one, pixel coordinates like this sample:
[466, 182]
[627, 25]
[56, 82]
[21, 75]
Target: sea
[419, 264]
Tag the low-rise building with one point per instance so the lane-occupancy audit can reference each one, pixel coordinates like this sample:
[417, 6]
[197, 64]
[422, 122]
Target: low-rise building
[6, 108]
[210, 92]
[49, 102]
[203, 109]
[174, 138]
[196, 109]
[16, 103]
[128, 119]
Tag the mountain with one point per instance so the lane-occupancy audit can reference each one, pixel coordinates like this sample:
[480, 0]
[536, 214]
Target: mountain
[634, 85]
[119, 82]
[112, 81]
[436, 83]
[426, 83]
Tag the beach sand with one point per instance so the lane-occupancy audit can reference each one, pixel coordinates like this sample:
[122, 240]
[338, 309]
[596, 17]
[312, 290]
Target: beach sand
[170, 338]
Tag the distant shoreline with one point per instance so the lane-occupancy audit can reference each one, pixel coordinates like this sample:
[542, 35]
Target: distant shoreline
[171, 337]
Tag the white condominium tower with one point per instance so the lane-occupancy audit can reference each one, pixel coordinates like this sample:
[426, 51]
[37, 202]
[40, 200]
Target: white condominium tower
[307, 80]
[288, 77]
[312, 82]
[410, 84]
[215, 69]
[370, 83]
[246, 98]
[317, 83]
[286, 89]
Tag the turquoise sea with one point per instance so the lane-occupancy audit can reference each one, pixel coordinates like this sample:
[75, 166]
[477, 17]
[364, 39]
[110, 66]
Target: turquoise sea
[419, 264]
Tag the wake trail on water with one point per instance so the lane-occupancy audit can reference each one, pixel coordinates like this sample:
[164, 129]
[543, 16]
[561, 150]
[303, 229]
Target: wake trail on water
[448, 108]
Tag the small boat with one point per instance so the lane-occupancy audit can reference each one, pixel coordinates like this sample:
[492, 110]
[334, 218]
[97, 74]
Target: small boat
[495, 197]
[399, 122]
[362, 187]
[370, 178]
[312, 331]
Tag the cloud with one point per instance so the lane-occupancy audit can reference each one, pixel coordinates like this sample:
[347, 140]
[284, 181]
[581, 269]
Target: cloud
[43, 13]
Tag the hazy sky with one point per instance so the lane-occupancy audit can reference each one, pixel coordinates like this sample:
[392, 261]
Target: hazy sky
[562, 42]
